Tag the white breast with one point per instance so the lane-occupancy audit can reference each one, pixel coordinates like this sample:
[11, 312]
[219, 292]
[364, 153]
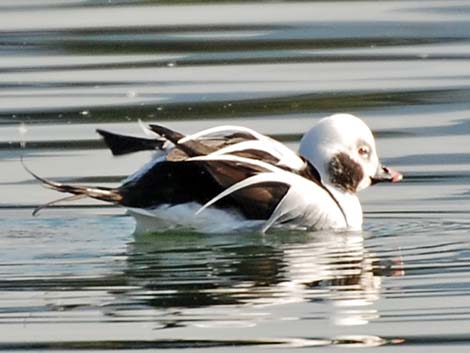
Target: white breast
[308, 206]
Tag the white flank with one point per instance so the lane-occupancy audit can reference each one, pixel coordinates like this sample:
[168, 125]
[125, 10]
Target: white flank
[306, 205]
[182, 217]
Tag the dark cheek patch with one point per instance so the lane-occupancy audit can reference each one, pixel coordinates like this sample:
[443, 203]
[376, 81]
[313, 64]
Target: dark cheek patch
[345, 173]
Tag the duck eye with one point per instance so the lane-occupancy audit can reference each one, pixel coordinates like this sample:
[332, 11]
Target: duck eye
[363, 151]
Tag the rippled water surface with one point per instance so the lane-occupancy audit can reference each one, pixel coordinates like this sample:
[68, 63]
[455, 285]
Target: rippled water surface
[76, 278]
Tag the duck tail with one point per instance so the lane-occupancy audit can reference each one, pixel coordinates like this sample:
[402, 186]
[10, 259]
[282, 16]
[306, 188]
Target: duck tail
[78, 191]
[123, 144]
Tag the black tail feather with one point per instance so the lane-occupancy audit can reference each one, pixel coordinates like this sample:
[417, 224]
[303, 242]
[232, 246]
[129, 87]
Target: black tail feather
[63, 199]
[122, 144]
[78, 192]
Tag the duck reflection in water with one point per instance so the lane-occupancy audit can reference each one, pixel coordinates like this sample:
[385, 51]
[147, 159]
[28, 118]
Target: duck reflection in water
[195, 271]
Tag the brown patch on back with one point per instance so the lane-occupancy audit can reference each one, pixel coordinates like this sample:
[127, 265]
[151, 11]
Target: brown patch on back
[258, 155]
[345, 173]
[176, 155]
[259, 201]
[255, 202]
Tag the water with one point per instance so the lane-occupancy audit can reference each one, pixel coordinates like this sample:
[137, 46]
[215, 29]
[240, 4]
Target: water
[76, 278]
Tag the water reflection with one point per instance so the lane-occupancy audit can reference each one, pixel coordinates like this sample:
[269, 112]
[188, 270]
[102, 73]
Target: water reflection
[197, 271]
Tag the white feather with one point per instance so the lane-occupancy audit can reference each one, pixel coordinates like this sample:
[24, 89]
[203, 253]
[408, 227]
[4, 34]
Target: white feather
[286, 156]
[284, 207]
[306, 205]
[222, 130]
[146, 130]
[248, 145]
[238, 159]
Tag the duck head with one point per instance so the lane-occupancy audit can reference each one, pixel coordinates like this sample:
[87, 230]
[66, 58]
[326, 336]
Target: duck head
[342, 148]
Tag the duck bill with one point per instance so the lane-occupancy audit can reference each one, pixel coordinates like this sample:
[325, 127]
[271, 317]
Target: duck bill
[385, 174]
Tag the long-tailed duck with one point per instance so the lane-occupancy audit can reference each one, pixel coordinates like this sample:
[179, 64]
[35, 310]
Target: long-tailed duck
[231, 177]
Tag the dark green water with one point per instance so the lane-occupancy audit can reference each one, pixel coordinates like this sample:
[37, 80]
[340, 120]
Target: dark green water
[75, 278]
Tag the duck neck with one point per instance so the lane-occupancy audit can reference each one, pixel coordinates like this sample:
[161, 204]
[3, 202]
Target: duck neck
[349, 205]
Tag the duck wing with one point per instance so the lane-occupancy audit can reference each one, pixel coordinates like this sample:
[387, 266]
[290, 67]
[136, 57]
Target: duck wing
[225, 167]
[198, 180]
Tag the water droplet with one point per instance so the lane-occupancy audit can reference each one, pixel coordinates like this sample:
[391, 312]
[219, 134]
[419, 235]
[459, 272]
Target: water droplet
[131, 94]
[22, 129]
